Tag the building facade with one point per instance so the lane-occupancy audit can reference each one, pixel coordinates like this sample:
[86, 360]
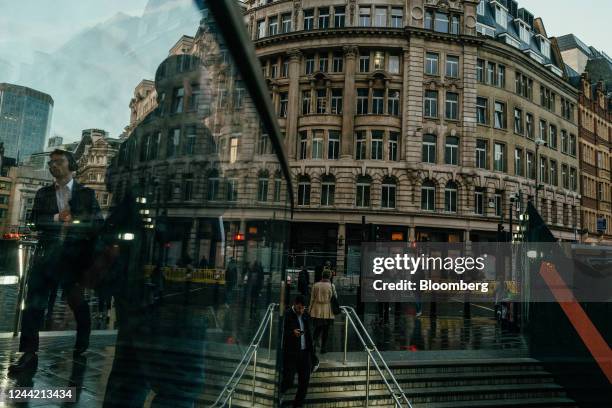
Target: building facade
[25, 120]
[422, 116]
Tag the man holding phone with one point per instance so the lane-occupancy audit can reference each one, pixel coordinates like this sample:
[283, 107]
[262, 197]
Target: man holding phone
[298, 350]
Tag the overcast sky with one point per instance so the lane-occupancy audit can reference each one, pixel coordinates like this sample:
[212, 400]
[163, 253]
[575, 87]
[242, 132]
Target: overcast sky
[589, 20]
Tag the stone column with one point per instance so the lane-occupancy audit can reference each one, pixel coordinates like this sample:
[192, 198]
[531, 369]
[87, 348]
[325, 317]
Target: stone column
[348, 102]
[341, 245]
[293, 107]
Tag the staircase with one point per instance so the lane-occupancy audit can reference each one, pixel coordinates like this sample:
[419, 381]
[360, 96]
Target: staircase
[505, 382]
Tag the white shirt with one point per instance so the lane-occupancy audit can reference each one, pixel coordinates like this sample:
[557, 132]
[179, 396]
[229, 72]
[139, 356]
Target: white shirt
[63, 194]
[303, 336]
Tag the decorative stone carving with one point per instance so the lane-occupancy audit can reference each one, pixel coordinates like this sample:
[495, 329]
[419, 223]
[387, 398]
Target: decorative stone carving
[417, 13]
[350, 50]
[470, 22]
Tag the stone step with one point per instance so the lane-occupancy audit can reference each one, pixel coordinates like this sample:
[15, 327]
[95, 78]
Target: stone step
[506, 403]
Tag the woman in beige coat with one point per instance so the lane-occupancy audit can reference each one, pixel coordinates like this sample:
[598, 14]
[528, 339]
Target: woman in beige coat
[321, 309]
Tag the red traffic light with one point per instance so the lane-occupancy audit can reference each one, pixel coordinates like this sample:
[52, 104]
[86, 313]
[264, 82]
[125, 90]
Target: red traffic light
[239, 237]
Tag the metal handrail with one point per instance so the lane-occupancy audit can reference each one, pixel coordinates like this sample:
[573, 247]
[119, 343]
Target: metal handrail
[370, 347]
[226, 395]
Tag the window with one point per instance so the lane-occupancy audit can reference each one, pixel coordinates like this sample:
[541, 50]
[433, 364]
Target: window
[499, 203]
[428, 20]
[360, 147]
[363, 192]
[323, 18]
[501, 16]
[518, 121]
[481, 154]
[317, 144]
[364, 63]
[303, 145]
[501, 76]
[323, 63]
[190, 142]
[441, 22]
[285, 68]
[482, 110]
[565, 176]
[524, 33]
[306, 102]
[173, 142]
[179, 96]
[284, 102]
[213, 186]
[452, 106]
[553, 173]
[261, 28]
[573, 179]
[277, 188]
[321, 101]
[429, 149]
[452, 66]
[339, 16]
[572, 145]
[431, 63]
[286, 22]
[309, 19]
[309, 64]
[543, 134]
[364, 16]
[450, 197]
[362, 101]
[240, 91]
[451, 150]
[529, 125]
[328, 190]
[431, 104]
[394, 64]
[380, 17]
[304, 190]
[273, 26]
[500, 115]
[393, 102]
[333, 145]
[518, 162]
[531, 170]
[393, 143]
[480, 77]
[397, 17]
[233, 149]
[388, 192]
[232, 190]
[262, 188]
[378, 101]
[428, 196]
[543, 170]
[491, 73]
[564, 142]
[545, 47]
[377, 144]
[499, 157]
[336, 101]
[454, 24]
[194, 101]
[479, 201]
[337, 64]
[480, 9]
[552, 140]
[379, 60]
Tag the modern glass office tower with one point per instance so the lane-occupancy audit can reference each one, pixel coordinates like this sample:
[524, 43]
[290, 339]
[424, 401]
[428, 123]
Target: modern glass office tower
[25, 119]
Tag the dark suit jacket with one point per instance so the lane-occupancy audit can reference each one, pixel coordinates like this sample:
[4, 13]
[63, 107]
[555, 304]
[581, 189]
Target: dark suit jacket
[292, 344]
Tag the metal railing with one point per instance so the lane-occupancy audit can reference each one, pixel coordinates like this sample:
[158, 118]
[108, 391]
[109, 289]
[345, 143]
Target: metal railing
[374, 356]
[227, 394]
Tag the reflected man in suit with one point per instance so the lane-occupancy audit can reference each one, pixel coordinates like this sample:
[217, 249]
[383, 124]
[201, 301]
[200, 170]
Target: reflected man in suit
[67, 217]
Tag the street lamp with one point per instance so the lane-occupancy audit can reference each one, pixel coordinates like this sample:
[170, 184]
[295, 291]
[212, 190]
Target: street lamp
[539, 142]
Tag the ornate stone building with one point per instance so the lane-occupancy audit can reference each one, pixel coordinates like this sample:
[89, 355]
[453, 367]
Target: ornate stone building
[421, 116]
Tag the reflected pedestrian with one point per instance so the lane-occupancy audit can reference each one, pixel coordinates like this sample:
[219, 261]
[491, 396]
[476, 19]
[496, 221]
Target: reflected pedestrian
[231, 279]
[304, 282]
[321, 309]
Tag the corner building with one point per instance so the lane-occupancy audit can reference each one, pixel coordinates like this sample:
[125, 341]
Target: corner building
[421, 116]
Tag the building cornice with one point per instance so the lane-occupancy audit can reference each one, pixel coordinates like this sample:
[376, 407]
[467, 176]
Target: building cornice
[346, 32]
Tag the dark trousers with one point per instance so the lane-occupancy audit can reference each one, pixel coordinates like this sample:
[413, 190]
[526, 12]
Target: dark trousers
[39, 288]
[321, 329]
[300, 363]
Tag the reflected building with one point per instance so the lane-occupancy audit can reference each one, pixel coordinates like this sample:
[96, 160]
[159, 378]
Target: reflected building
[25, 120]
[421, 116]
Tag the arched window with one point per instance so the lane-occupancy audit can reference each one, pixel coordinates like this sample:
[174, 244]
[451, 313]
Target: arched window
[262, 186]
[428, 196]
[450, 197]
[363, 191]
[328, 190]
[389, 188]
[304, 190]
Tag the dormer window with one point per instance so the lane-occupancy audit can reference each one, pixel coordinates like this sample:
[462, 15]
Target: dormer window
[501, 15]
[481, 8]
[545, 47]
[524, 33]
